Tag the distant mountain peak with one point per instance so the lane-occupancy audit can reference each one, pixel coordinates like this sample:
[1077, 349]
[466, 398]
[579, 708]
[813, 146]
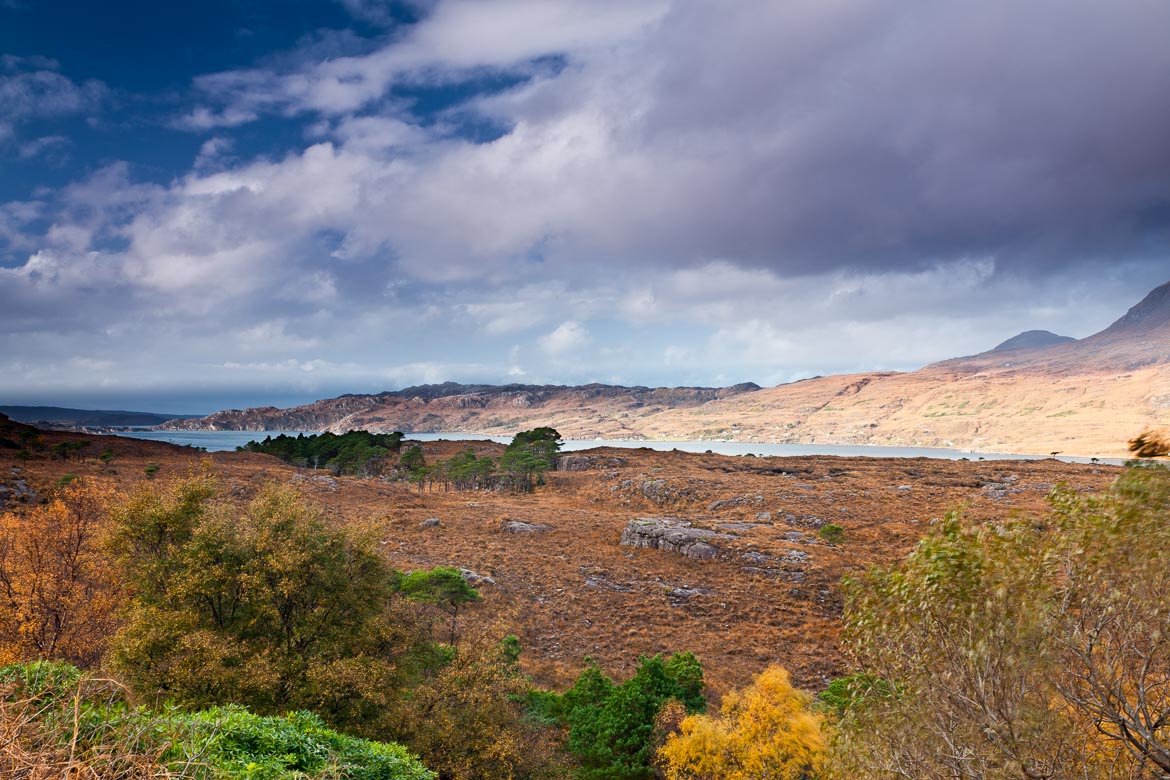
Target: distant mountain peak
[1151, 313]
[1033, 339]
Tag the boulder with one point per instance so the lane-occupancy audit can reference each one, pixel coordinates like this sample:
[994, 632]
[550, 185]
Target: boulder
[430, 522]
[588, 462]
[476, 580]
[672, 535]
[518, 527]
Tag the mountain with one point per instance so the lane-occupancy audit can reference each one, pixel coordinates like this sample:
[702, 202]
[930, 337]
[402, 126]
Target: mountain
[1149, 319]
[1034, 394]
[84, 417]
[1032, 339]
[586, 411]
[1081, 397]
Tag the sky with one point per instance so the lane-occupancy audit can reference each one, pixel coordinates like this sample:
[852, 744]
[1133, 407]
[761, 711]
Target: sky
[223, 204]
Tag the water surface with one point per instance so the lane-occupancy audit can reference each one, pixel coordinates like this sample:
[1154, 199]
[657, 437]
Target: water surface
[218, 441]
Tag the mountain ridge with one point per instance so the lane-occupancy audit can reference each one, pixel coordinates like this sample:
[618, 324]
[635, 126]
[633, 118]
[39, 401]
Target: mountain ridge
[1080, 397]
[62, 415]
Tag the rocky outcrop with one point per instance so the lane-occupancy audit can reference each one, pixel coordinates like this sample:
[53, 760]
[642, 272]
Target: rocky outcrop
[517, 527]
[589, 462]
[475, 579]
[673, 535]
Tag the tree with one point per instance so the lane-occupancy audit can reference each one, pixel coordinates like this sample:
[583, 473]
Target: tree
[611, 727]
[1150, 444]
[1037, 648]
[529, 455]
[467, 720]
[268, 607]
[444, 586]
[413, 463]
[770, 730]
[1112, 627]
[58, 593]
[959, 632]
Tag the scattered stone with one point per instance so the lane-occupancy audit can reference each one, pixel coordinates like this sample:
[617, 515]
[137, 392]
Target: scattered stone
[765, 517]
[656, 490]
[604, 584]
[736, 501]
[476, 580]
[739, 527]
[17, 490]
[796, 556]
[756, 558]
[672, 535]
[905, 487]
[518, 527]
[680, 595]
[793, 536]
[805, 521]
[328, 482]
[430, 522]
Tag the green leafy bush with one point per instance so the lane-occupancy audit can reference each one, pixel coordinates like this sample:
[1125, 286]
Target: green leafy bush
[832, 533]
[58, 721]
[611, 727]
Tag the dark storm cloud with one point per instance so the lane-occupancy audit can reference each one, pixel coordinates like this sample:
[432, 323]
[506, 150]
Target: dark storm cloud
[877, 134]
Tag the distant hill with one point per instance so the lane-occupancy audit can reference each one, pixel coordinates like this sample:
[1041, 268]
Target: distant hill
[1035, 393]
[58, 415]
[585, 411]
[1032, 339]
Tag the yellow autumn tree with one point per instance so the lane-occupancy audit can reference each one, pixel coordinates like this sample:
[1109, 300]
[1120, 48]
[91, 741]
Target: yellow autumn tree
[769, 730]
[58, 595]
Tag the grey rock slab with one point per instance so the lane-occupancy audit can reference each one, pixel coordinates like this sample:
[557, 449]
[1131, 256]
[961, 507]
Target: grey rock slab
[672, 535]
[518, 527]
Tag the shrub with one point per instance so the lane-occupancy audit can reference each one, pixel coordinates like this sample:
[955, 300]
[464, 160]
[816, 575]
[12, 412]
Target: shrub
[769, 730]
[58, 592]
[832, 533]
[270, 608]
[57, 722]
[612, 727]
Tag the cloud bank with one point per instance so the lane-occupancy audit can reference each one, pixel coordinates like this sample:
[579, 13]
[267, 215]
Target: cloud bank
[652, 192]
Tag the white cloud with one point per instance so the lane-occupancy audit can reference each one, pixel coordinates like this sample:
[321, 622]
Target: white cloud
[568, 337]
[31, 88]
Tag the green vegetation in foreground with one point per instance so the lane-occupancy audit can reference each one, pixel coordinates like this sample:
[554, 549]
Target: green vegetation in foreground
[611, 728]
[63, 720]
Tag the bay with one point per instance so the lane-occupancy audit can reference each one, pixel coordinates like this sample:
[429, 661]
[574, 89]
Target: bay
[220, 441]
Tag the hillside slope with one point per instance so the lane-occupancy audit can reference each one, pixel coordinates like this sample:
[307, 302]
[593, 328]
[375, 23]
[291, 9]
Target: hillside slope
[1081, 397]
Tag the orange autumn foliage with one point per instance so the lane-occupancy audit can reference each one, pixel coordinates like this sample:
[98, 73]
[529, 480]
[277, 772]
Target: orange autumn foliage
[58, 595]
[768, 730]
